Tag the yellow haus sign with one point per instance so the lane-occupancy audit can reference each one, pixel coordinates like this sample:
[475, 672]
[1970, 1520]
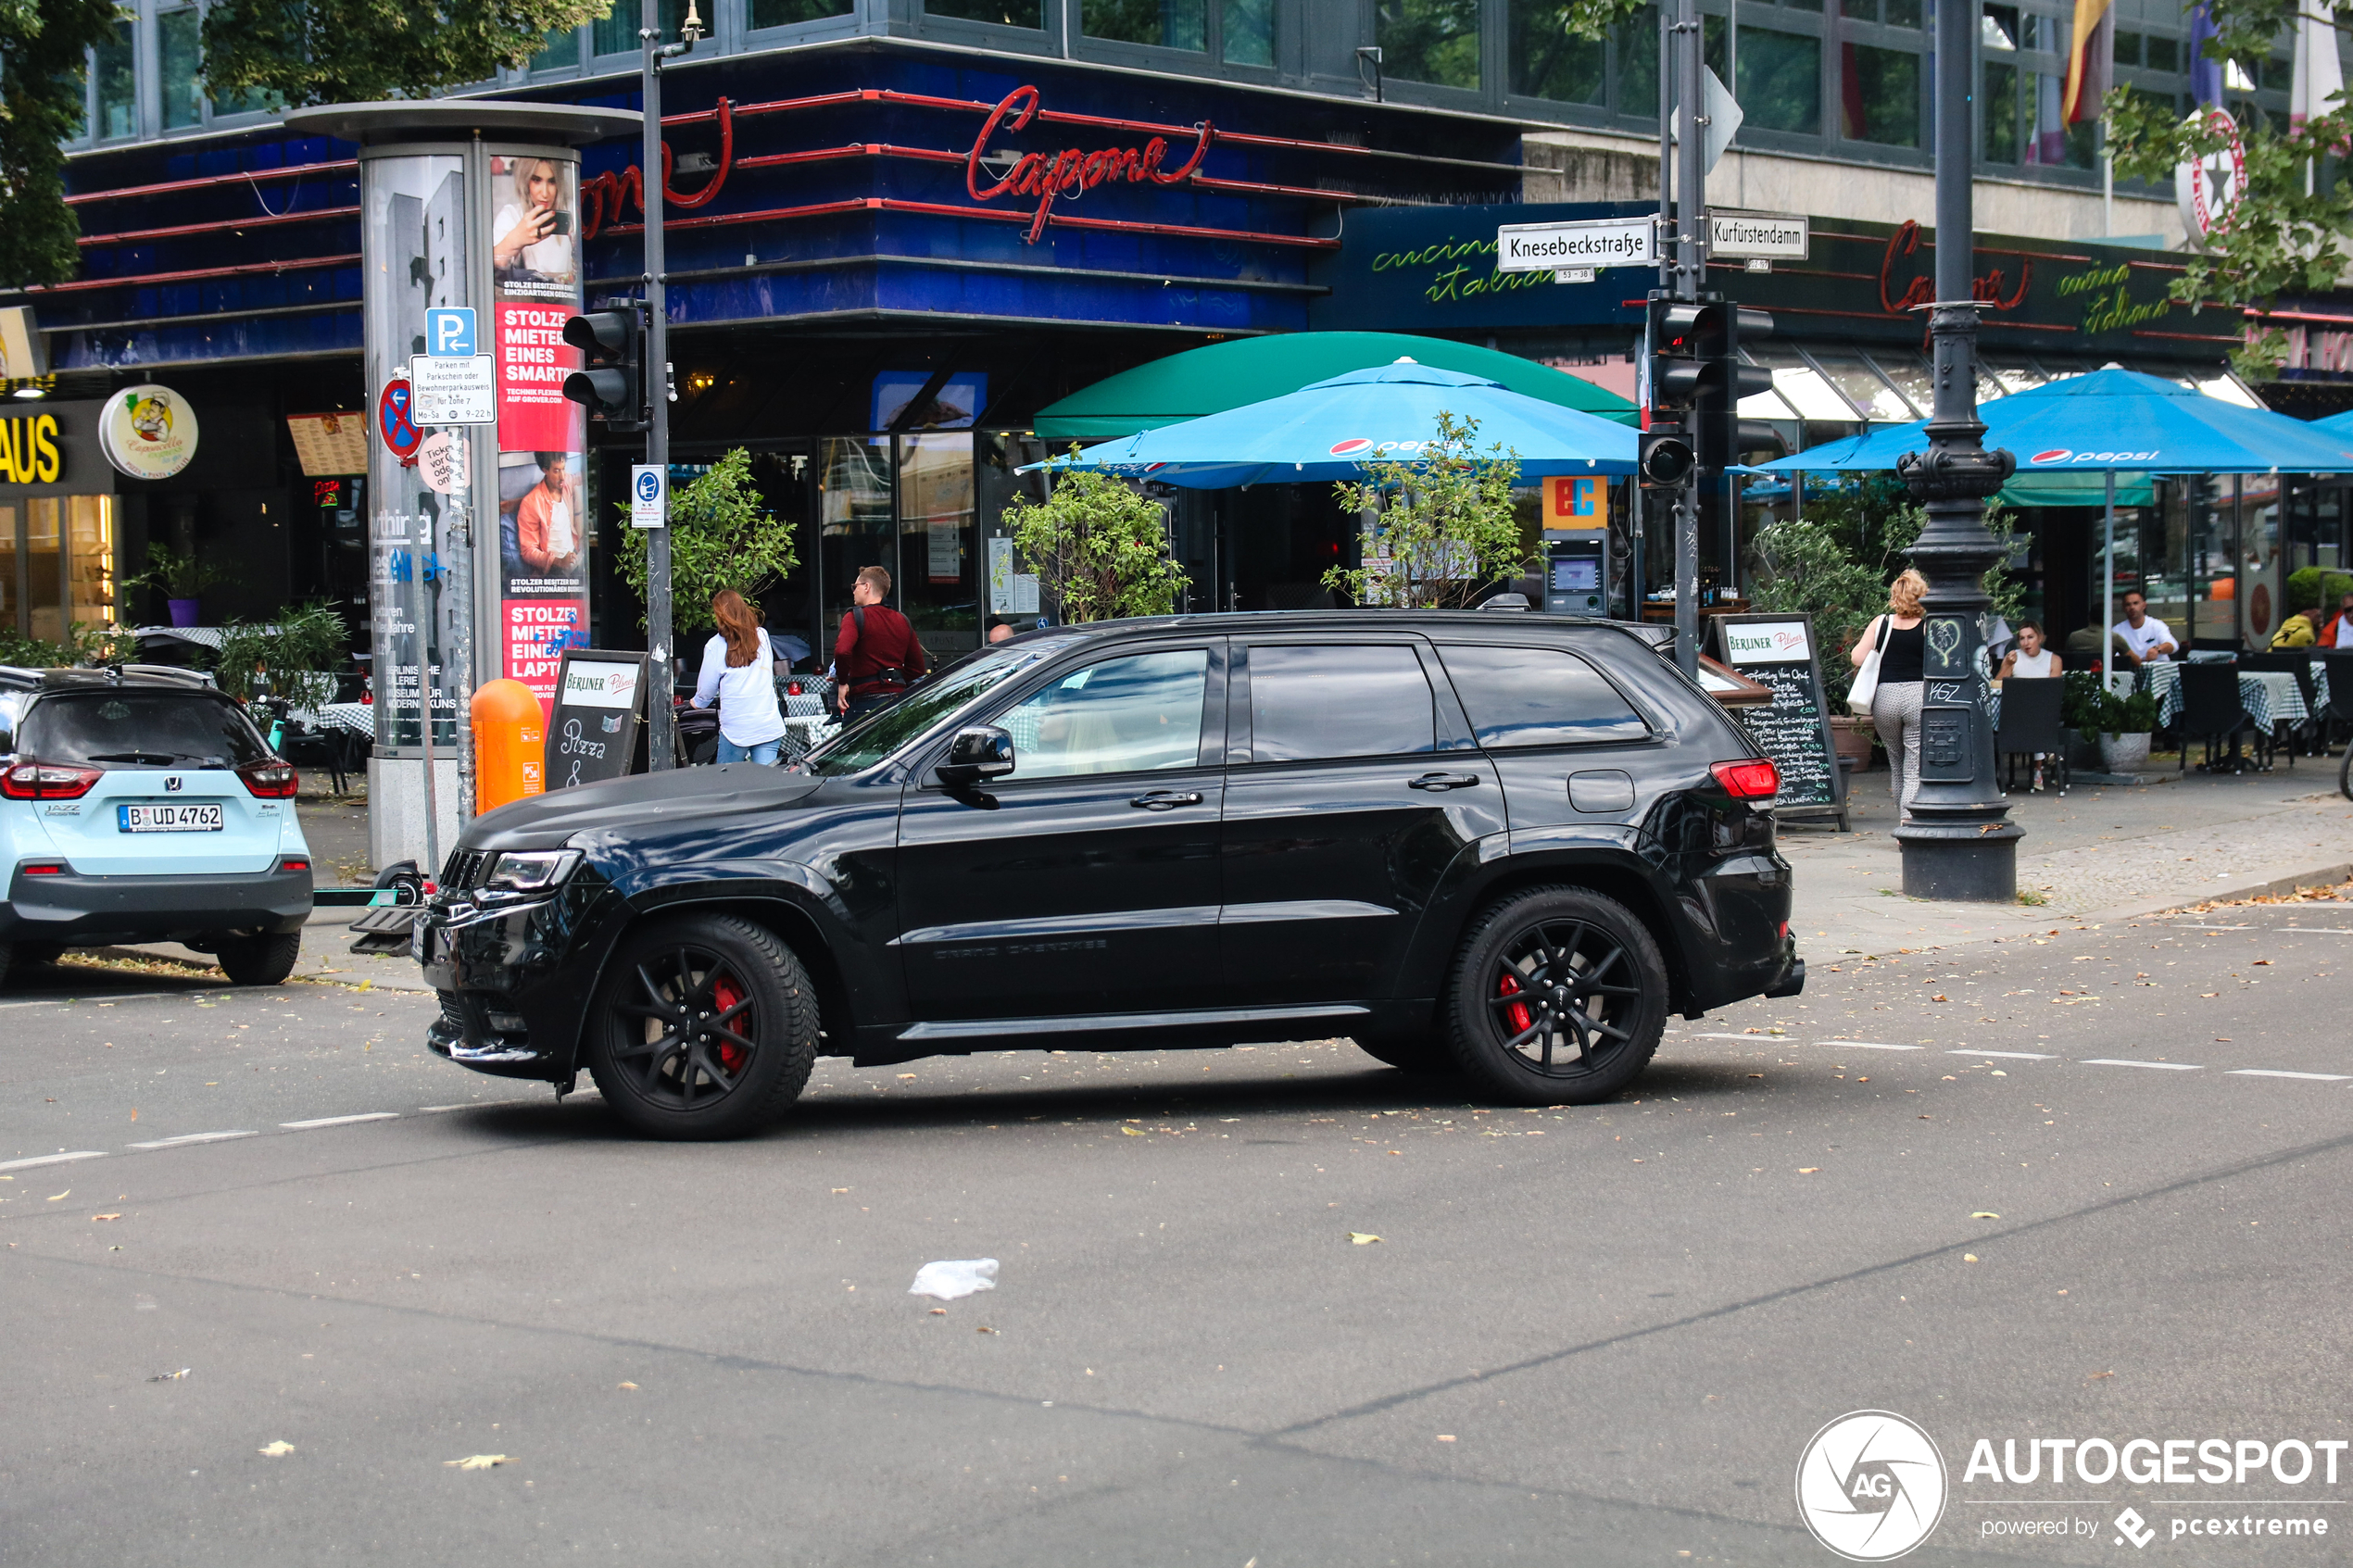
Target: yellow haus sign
[29, 453]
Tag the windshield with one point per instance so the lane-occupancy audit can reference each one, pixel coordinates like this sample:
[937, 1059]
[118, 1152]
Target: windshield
[139, 729]
[876, 736]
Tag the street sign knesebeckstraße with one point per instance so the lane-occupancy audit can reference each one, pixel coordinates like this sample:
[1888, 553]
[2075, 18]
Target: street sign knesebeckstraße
[648, 495]
[453, 390]
[1590, 242]
[1775, 236]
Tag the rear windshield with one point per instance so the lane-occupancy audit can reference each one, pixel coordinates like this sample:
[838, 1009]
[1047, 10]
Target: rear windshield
[133, 728]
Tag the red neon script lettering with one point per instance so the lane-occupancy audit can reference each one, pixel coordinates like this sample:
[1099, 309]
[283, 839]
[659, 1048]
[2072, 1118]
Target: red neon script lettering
[601, 198]
[1070, 171]
[1988, 289]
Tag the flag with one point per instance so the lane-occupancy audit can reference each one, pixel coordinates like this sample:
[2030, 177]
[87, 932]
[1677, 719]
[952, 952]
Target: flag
[2206, 76]
[2318, 79]
[2089, 60]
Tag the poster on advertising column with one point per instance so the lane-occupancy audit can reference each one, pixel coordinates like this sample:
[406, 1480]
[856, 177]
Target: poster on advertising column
[543, 519]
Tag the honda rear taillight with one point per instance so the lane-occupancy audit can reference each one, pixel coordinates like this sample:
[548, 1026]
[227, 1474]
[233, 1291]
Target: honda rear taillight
[271, 779]
[296, 863]
[47, 780]
[1748, 780]
[44, 868]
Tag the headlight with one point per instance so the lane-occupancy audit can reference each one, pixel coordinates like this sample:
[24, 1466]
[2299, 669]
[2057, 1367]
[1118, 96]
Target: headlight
[529, 871]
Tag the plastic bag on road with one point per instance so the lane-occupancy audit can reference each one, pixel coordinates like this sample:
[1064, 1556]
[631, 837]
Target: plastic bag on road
[950, 1280]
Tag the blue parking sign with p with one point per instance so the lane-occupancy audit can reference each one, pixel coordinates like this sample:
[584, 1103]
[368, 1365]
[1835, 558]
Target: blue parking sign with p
[449, 332]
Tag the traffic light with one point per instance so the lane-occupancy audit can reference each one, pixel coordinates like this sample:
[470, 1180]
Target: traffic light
[1724, 380]
[1665, 459]
[1673, 363]
[611, 386]
[1694, 354]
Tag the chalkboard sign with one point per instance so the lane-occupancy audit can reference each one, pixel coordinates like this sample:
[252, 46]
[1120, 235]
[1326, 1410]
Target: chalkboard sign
[593, 735]
[1778, 652]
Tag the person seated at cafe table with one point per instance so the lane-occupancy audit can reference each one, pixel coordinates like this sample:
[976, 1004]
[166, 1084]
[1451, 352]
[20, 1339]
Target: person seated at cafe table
[2150, 639]
[2338, 632]
[2084, 648]
[2031, 659]
[2301, 629]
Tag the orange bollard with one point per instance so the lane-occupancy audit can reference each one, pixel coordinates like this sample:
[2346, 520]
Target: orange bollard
[511, 744]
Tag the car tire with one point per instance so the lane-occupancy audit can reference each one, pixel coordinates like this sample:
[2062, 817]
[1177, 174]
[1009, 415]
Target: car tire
[667, 1039]
[1421, 1053]
[1595, 990]
[266, 959]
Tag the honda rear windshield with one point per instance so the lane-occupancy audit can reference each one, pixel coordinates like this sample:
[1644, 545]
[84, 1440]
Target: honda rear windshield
[135, 729]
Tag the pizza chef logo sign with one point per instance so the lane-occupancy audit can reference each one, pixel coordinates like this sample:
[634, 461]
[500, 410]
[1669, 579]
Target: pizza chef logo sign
[147, 431]
[1870, 1485]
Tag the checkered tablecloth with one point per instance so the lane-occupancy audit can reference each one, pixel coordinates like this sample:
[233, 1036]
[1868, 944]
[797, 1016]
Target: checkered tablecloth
[360, 718]
[2271, 696]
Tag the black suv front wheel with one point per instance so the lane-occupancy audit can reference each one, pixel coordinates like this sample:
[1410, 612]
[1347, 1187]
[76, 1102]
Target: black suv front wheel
[1558, 997]
[706, 1027]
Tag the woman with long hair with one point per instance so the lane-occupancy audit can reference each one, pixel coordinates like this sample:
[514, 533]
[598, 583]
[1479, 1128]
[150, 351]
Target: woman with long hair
[738, 675]
[1903, 659]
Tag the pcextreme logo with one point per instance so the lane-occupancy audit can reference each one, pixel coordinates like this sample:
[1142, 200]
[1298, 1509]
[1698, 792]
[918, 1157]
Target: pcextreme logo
[1870, 1485]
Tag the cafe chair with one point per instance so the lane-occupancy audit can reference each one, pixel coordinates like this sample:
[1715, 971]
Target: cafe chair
[2211, 712]
[2030, 724]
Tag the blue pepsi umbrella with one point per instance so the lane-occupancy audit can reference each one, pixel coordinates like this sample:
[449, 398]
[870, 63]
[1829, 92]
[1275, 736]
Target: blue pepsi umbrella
[1323, 431]
[2111, 421]
[2336, 424]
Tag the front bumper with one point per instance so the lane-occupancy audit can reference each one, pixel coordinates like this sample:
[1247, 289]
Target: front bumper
[513, 979]
[89, 911]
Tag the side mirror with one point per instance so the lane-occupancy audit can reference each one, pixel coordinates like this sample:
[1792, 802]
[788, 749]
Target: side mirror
[975, 755]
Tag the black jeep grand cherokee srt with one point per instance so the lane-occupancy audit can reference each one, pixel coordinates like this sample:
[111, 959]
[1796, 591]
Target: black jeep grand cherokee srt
[1499, 845]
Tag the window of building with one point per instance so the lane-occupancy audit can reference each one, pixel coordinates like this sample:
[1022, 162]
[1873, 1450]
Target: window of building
[1997, 112]
[1638, 65]
[615, 33]
[559, 51]
[1312, 703]
[1003, 13]
[2164, 54]
[1780, 80]
[784, 13]
[1171, 24]
[114, 80]
[1881, 101]
[179, 54]
[1432, 40]
[1247, 31]
[1550, 61]
[1134, 715]
[1531, 696]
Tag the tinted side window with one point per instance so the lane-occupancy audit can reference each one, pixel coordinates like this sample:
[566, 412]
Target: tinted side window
[1123, 716]
[140, 729]
[1537, 697]
[1308, 703]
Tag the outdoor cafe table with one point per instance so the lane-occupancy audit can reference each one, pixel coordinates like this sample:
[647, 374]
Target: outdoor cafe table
[2271, 696]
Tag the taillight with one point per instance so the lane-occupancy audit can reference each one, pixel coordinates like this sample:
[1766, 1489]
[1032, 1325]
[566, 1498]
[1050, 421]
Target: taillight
[47, 780]
[44, 868]
[271, 779]
[294, 863]
[1758, 780]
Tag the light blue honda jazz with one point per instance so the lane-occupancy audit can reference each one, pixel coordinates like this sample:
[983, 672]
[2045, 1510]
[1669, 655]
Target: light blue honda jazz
[139, 804]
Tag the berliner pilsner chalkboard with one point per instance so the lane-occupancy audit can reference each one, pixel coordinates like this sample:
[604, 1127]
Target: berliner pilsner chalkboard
[1778, 652]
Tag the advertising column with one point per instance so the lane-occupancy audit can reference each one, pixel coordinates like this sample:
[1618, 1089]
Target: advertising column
[543, 522]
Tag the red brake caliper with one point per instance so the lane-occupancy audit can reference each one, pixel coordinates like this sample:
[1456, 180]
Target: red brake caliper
[732, 1056]
[1518, 1012]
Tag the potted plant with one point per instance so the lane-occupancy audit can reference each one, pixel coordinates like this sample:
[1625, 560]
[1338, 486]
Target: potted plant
[182, 581]
[2124, 726]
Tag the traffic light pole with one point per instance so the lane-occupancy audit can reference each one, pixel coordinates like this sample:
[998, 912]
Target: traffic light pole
[1691, 268]
[660, 748]
[1957, 842]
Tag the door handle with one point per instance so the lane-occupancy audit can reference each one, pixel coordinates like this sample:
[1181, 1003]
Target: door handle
[1443, 780]
[1166, 799]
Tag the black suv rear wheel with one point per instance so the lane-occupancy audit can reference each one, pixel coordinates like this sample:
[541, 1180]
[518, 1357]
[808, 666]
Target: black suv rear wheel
[1558, 997]
[706, 1028]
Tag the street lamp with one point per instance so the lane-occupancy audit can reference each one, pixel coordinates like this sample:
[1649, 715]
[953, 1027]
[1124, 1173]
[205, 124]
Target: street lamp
[1958, 843]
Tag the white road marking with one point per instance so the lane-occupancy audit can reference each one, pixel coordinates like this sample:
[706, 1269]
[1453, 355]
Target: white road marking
[193, 1137]
[340, 1120]
[2277, 1072]
[2318, 930]
[53, 1159]
[2009, 1056]
[2127, 1061]
[1697, 1036]
[475, 1105]
[1864, 1046]
[2214, 928]
[125, 997]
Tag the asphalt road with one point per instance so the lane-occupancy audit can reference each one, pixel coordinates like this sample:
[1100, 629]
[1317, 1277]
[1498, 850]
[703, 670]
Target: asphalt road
[2088, 1184]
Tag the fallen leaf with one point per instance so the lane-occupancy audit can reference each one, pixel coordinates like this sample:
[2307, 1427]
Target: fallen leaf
[939, 1311]
[67, 1193]
[1363, 1238]
[1968, 1257]
[1985, 1215]
[2094, 1377]
[1445, 1437]
[841, 1189]
[169, 1376]
[106, 1216]
[984, 1328]
[1133, 1132]
[1938, 997]
[1808, 1169]
[134, 1110]
[472, 1461]
[905, 1077]
[278, 1449]
[630, 1386]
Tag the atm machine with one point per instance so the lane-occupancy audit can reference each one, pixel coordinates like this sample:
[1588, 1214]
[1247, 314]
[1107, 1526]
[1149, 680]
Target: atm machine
[1577, 564]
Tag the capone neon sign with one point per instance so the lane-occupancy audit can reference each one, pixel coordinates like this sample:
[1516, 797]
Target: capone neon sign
[1071, 172]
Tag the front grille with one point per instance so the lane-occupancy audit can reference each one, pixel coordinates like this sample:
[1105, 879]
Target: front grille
[464, 869]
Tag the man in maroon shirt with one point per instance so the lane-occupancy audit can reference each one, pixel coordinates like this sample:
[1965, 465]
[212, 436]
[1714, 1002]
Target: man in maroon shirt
[876, 655]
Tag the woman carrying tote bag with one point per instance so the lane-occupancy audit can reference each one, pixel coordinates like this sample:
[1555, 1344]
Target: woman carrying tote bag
[1892, 656]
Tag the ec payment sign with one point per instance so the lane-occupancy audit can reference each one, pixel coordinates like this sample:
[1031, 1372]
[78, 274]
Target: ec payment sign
[1594, 241]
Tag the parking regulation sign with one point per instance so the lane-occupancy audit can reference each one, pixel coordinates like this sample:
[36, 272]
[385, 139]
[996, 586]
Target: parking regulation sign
[446, 390]
[449, 332]
[648, 495]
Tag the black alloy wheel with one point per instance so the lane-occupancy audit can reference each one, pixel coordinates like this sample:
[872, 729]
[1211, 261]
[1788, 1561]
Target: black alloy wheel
[1558, 997]
[707, 1027]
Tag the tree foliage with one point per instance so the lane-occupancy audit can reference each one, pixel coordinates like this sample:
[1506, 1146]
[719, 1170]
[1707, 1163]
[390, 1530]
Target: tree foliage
[2277, 238]
[294, 655]
[44, 53]
[301, 51]
[1098, 547]
[721, 535]
[1442, 529]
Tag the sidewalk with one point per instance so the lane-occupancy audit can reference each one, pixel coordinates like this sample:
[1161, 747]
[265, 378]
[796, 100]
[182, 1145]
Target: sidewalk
[2102, 852]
